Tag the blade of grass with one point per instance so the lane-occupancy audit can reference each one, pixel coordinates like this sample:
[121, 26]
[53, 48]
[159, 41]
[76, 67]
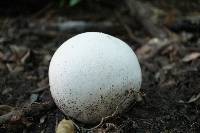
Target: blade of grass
[73, 2]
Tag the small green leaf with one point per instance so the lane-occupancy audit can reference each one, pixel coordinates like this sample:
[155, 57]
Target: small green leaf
[73, 2]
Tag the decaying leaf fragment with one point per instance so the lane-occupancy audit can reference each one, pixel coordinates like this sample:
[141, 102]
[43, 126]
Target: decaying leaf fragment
[65, 126]
[191, 56]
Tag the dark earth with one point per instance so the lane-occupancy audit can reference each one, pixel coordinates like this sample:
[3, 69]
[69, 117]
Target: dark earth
[31, 31]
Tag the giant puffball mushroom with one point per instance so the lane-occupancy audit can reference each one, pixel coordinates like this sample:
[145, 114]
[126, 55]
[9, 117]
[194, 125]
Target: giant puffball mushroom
[93, 74]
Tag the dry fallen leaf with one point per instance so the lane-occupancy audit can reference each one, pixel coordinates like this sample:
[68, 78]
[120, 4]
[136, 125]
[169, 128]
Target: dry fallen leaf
[194, 98]
[13, 68]
[191, 56]
[4, 109]
[152, 47]
[65, 126]
[19, 51]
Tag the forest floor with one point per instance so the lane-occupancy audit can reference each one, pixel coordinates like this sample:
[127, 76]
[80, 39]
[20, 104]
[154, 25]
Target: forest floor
[171, 77]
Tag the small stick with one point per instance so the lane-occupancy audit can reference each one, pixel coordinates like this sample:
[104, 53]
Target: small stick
[142, 13]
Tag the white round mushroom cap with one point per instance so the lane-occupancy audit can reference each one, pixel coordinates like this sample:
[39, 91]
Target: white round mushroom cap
[92, 74]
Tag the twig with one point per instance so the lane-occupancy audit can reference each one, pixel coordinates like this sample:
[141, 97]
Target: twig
[141, 12]
[40, 89]
[160, 38]
[48, 6]
[128, 29]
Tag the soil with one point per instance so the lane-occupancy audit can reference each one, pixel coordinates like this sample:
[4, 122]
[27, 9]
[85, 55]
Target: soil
[171, 79]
